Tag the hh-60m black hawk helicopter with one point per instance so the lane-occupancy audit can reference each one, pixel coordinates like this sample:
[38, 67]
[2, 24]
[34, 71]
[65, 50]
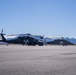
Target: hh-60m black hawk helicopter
[24, 39]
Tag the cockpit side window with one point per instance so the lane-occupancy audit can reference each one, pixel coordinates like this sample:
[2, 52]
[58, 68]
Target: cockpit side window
[41, 37]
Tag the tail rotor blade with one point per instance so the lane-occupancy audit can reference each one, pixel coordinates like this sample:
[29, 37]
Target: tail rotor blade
[2, 31]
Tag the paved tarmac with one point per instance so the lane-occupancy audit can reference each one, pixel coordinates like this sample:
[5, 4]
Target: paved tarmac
[37, 60]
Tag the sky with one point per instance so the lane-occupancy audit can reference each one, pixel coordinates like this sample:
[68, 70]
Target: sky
[55, 18]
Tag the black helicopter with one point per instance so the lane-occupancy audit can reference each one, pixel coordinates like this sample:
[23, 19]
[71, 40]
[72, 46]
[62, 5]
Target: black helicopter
[24, 39]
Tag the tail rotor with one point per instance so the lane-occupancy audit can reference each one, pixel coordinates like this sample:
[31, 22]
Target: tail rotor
[2, 31]
[2, 35]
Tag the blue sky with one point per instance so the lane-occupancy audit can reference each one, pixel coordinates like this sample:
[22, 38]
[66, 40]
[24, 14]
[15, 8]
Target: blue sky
[45, 17]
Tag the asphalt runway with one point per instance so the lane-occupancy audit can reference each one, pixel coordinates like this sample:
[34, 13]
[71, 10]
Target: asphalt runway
[37, 60]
